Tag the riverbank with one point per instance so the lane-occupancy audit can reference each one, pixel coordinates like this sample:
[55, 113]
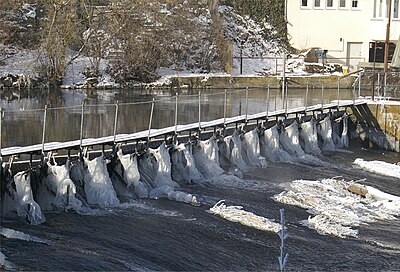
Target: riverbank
[252, 81]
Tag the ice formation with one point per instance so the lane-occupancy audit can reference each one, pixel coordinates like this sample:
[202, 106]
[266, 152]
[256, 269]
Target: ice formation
[98, 186]
[339, 132]
[325, 132]
[231, 154]
[155, 170]
[289, 140]
[21, 200]
[379, 167]
[57, 191]
[206, 157]
[309, 137]
[251, 149]
[129, 171]
[183, 165]
[238, 215]
[270, 146]
[336, 209]
[13, 234]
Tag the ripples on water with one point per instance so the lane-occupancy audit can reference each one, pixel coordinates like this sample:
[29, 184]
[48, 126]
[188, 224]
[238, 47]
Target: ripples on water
[160, 234]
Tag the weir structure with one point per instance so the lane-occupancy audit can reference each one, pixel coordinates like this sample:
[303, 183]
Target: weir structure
[139, 165]
[176, 130]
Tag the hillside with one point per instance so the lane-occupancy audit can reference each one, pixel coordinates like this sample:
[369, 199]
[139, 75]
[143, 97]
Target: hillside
[116, 43]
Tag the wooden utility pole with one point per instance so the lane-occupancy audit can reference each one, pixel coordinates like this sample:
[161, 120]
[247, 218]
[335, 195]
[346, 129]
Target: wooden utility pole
[386, 59]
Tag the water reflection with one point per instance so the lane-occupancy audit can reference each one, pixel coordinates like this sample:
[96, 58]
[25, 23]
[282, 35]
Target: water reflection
[24, 110]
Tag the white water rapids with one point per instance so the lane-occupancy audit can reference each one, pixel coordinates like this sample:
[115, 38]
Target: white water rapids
[334, 207]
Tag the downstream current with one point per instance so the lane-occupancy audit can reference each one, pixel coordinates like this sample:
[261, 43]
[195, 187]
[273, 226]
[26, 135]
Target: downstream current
[172, 234]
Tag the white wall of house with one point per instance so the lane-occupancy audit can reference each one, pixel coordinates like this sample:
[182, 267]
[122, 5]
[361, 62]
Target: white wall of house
[343, 27]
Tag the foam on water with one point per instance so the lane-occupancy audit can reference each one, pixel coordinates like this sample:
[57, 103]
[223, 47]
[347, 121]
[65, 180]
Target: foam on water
[98, 186]
[325, 132]
[57, 191]
[289, 140]
[21, 200]
[238, 215]
[309, 137]
[206, 157]
[270, 146]
[251, 149]
[129, 171]
[379, 167]
[336, 210]
[183, 165]
[231, 154]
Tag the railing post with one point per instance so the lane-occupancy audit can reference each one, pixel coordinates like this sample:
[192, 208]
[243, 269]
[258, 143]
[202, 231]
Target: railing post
[268, 96]
[199, 110]
[379, 84]
[44, 128]
[322, 96]
[116, 121]
[338, 93]
[225, 105]
[81, 132]
[286, 98]
[385, 86]
[247, 103]
[176, 113]
[354, 94]
[359, 85]
[151, 120]
[306, 102]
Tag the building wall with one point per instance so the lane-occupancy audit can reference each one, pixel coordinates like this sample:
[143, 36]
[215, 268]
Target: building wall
[337, 29]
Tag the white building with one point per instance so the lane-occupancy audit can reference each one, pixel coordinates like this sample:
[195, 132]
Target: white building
[348, 29]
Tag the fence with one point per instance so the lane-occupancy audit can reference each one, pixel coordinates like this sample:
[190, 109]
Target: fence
[30, 126]
[379, 84]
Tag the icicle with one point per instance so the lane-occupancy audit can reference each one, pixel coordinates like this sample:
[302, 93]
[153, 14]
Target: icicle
[251, 149]
[57, 191]
[325, 132]
[339, 132]
[206, 157]
[309, 137]
[231, 153]
[98, 186]
[270, 146]
[289, 139]
[130, 174]
[25, 205]
[155, 170]
[183, 165]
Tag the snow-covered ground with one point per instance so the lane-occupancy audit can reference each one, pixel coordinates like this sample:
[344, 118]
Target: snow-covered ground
[260, 56]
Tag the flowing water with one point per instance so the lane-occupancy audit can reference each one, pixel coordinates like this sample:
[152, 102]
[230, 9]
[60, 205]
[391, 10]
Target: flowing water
[212, 206]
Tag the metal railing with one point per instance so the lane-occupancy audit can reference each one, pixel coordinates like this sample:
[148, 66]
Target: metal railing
[379, 85]
[87, 121]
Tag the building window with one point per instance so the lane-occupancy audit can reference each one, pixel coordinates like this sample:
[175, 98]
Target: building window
[342, 3]
[396, 9]
[317, 3]
[304, 3]
[329, 3]
[354, 4]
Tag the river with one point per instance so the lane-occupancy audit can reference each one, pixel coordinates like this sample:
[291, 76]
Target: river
[162, 234]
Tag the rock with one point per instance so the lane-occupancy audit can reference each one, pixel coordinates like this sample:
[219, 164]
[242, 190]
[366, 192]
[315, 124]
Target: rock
[358, 190]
